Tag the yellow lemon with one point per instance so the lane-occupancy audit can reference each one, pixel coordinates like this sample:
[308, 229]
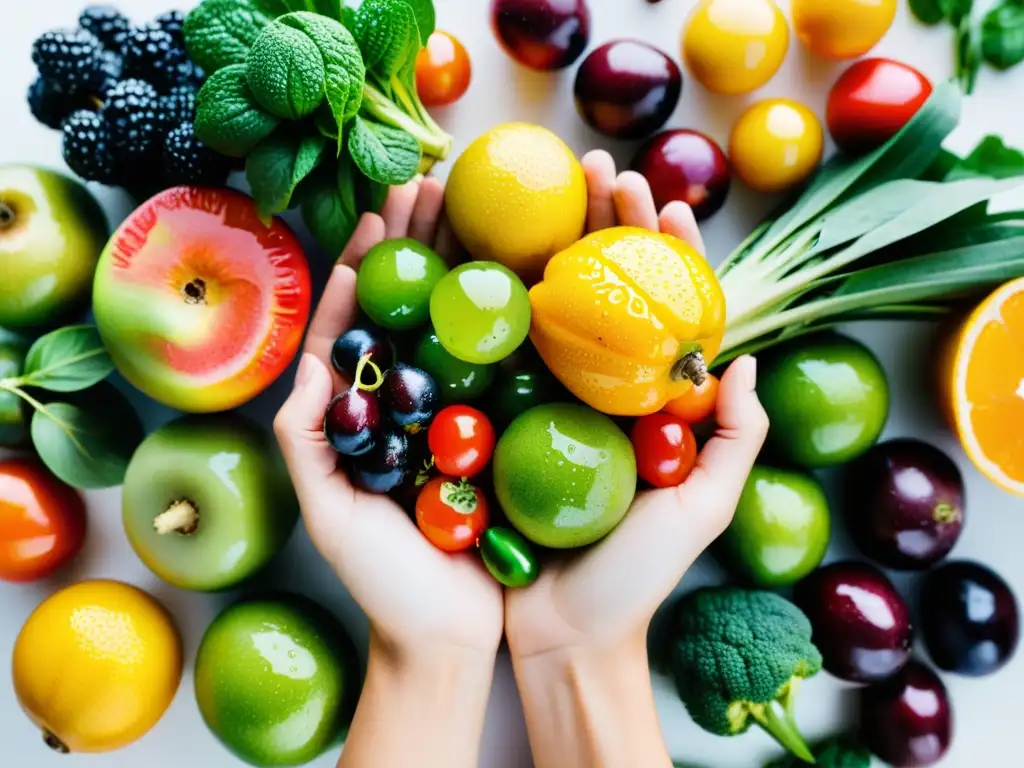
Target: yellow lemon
[96, 666]
[517, 196]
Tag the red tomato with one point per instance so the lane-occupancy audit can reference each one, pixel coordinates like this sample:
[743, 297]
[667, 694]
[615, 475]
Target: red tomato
[871, 101]
[698, 404]
[665, 448]
[462, 441]
[451, 513]
[42, 521]
[443, 70]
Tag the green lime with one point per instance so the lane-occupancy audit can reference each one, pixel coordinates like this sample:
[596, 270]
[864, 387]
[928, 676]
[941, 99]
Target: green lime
[395, 281]
[780, 531]
[827, 399]
[456, 379]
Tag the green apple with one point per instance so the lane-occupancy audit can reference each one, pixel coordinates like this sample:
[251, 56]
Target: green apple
[207, 501]
[13, 421]
[277, 680]
[52, 232]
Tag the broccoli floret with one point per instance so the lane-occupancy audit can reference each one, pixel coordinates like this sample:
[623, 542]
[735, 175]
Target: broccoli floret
[838, 752]
[738, 657]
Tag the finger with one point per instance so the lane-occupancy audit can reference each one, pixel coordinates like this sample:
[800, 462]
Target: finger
[336, 313]
[677, 219]
[599, 167]
[368, 233]
[427, 211]
[398, 208]
[634, 202]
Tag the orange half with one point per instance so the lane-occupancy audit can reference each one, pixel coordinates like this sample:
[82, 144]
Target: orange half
[987, 381]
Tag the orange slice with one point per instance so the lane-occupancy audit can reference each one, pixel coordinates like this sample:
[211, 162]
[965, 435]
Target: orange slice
[986, 386]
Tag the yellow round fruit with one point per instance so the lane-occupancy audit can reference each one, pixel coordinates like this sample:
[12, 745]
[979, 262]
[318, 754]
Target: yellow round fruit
[776, 144]
[96, 666]
[735, 46]
[517, 196]
[842, 29]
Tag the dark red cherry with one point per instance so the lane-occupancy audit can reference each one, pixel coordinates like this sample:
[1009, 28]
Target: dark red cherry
[542, 34]
[385, 467]
[688, 166]
[352, 418]
[627, 89]
[364, 339]
[409, 397]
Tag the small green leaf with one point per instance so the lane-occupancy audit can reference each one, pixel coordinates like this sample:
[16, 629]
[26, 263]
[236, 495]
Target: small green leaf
[968, 55]
[927, 11]
[67, 360]
[991, 158]
[956, 10]
[228, 119]
[426, 18]
[329, 207]
[285, 71]
[272, 8]
[1002, 35]
[388, 36]
[89, 441]
[276, 167]
[385, 154]
[219, 33]
[332, 9]
[370, 195]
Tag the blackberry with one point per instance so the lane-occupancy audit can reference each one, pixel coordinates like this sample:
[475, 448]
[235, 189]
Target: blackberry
[70, 58]
[51, 105]
[113, 67]
[188, 72]
[132, 115]
[87, 147]
[173, 23]
[108, 24]
[188, 161]
[152, 54]
[178, 106]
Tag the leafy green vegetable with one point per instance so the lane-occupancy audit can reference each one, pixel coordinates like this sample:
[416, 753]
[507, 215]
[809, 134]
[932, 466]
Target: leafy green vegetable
[285, 71]
[955, 10]
[277, 166]
[228, 118]
[839, 752]
[968, 54]
[383, 153]
[990, 158]
[927, 11]
[1002, 35]
[388, 36]
[67, 360]
[219, 33]
[329, 206]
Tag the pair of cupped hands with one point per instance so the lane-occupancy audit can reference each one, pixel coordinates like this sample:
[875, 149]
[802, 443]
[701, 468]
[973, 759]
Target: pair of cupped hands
[417, 596]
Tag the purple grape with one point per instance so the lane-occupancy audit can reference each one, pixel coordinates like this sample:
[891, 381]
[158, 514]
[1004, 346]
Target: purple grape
[410, 397]
[351, 421]
[385, 467]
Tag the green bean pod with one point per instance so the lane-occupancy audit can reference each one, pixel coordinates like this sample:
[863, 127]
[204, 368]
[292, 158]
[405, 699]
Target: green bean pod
[509, 557]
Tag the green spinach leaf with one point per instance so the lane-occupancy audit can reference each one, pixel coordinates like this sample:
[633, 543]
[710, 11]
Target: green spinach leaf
[426, 18]
[219, 33]
[273, 8]
[67, 360]
[388, 36]
[385, 154]
[956, 10]
[228, 118]
[968, 55]
[332, 9]
[343, 64]
[276, 167]
[329, 205]
[286, 72]
[1002, 35]
[991, 158]
[88, 442]
[927, 11]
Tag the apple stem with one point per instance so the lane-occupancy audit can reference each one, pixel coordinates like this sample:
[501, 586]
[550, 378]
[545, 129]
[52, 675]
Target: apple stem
[378, 376]
[7, 216]
[54, 743]
[181, 517]
[691, 367]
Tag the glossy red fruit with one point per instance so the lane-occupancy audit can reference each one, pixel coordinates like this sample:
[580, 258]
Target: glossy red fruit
[443, 70]
[462, 441]
[861, 624]
[542, 34]
[627, 89]
[871, 101]
[352, 418]
[665, 449]
[688, 166]
[907, 721]
[452, 514]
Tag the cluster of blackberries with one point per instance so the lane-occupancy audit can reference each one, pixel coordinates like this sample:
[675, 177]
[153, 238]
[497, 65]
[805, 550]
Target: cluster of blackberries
[124, 98]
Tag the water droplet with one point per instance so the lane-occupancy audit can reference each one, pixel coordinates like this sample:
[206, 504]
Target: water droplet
[292, 654]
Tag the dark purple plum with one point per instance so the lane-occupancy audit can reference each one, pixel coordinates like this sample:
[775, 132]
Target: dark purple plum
[861, 624]
[410, 397]
[969, 618]
[364, 339]
[351, 421]
[688, 166]
[384, 468]
[627, 89]
[542, 34]
[905, 504]
[907, 720]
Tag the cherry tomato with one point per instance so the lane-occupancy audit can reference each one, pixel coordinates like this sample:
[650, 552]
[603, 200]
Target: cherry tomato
[842, 29]
[42, 521]
[665, 448]
[698, 404]
[871, 101]
[775, 145]
[443, 70]
[451, 513]
[462, 441]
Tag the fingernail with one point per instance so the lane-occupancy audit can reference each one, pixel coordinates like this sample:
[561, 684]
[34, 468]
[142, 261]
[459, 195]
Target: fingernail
[750, 372]
[305, 370]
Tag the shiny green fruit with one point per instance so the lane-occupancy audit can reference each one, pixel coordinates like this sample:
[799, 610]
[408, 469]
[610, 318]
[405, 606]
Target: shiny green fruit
[827, 398]
[395, 282]
[13, 416]
[277, 680]
[509, 558]
[207, 501]
[781, 528]
[565, 475]
[52, 232]
[456, 380]
[518, 391]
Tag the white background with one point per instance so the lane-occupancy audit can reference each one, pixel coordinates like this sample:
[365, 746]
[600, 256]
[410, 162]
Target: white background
[987, 710]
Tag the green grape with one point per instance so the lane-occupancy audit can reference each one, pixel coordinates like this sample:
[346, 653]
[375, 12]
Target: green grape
[395, 282]
[456, 379]
[481, 312]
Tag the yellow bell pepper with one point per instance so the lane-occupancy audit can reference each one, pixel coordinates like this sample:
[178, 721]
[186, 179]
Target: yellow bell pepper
[628, 319]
